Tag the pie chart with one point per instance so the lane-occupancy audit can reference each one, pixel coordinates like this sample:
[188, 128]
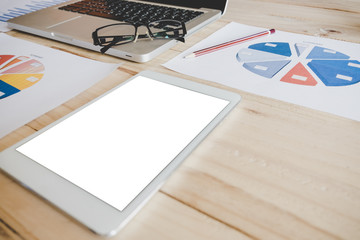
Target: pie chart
[18, 73]
[311, 64]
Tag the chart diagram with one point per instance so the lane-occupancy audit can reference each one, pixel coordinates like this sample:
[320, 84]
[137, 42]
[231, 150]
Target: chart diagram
[310, 64]
[18, 73]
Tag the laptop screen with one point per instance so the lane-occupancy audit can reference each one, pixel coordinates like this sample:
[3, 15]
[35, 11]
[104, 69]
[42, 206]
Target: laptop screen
[218, 4]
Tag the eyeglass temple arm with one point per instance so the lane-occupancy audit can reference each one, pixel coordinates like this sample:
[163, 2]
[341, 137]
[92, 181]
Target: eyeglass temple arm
[95, 38]
[111, 44]
[181, 39]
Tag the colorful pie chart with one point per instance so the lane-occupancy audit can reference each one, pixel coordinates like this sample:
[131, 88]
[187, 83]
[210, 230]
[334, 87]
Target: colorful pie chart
[18, 73]
[328, 66]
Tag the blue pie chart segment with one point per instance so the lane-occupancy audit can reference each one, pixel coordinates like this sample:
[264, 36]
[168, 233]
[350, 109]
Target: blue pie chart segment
[325, 53]
[280, 48]
[251, 55]
[7, 89]
[336, 72]
[266, 69]
[300, 48]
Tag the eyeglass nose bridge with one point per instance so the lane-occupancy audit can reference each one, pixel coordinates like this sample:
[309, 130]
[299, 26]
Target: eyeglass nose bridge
[146, 35]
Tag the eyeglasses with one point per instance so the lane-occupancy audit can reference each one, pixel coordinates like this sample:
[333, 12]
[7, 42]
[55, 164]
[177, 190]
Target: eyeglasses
[122, 33]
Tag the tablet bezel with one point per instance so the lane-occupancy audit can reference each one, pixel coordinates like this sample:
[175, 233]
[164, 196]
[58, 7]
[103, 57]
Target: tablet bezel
[104, 219]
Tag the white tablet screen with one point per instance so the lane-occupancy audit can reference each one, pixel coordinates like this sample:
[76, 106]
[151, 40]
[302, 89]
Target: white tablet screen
[114, 147]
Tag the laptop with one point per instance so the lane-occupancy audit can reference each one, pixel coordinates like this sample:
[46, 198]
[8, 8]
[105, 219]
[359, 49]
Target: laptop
[74, 21]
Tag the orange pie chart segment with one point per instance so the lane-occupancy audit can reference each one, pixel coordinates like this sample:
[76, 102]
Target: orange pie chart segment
[299, 75]
[18, 73]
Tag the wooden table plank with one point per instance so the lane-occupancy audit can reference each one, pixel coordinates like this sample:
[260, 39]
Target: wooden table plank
[272, 184]
[25, 216]
[271, 170]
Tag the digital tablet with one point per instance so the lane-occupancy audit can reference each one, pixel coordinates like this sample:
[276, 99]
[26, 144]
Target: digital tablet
[102, 162]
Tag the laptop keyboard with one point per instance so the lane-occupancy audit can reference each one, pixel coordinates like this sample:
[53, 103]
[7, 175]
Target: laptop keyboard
[133, 12]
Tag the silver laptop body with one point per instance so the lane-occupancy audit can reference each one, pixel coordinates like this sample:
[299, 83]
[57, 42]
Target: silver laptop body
[76, 29]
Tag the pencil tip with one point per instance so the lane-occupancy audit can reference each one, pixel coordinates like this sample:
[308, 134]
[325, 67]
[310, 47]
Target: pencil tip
[272, 31]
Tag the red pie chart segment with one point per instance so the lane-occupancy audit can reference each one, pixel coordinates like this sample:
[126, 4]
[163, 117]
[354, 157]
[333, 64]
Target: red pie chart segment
[18, 73]
[14, 61]
[5, 58]
[299, 75]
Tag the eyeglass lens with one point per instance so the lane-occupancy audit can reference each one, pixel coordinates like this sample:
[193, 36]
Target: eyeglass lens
[124, 33]
[166, 29]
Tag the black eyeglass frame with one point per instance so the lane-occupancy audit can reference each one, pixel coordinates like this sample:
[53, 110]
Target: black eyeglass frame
[149, 34]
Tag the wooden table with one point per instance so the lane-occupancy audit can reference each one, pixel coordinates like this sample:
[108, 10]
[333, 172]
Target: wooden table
[271, 170]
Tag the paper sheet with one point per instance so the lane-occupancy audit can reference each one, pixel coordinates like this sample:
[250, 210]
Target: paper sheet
[318, 73]
[35, 79]
[13, 8]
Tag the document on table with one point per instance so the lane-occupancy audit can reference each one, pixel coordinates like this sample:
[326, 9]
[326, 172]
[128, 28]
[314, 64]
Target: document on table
[35, 79]
[13, 8]
[314, 72]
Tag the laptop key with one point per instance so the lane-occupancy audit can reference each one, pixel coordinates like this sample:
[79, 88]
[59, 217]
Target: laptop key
[134, 12]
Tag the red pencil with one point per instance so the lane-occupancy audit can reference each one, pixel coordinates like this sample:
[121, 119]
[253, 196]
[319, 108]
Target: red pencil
[229, 44]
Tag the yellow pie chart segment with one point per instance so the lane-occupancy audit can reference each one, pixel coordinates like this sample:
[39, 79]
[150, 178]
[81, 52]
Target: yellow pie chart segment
[18, 73]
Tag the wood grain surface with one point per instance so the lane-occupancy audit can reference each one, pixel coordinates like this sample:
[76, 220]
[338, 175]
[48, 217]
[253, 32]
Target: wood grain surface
[270, 170]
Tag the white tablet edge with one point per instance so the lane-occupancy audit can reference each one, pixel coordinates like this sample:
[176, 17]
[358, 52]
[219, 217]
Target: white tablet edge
[103, 219]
